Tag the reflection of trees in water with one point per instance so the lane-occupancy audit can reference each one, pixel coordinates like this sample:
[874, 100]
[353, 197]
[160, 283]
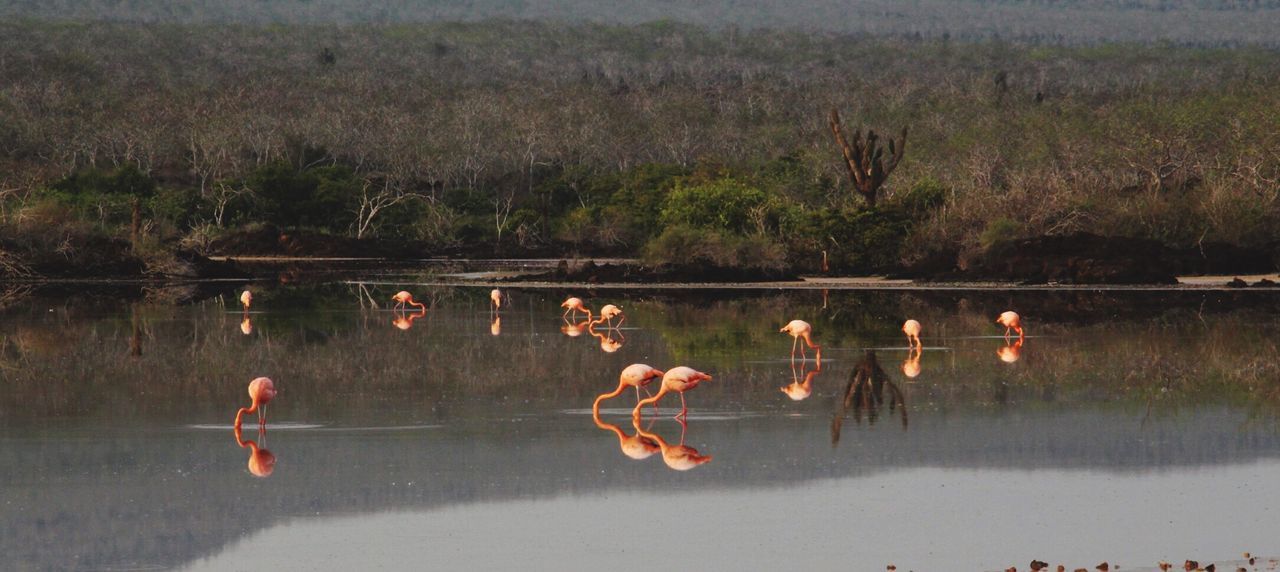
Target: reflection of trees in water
[865, 395]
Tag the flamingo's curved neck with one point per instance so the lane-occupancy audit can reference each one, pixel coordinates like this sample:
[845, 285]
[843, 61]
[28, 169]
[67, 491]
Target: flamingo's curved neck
[595, 407]
[250, 409]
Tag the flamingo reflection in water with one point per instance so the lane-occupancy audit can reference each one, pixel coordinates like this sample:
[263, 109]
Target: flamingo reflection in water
[636, 375]
[678, 379]
[634, 446]
[799, 391]
[246, 326]
[575, 330]
[608, 344]
[865, 394]
[405, 321]
[911, 367]
[1011, 352]
[261, 461]
[495, 327]
[678, 457]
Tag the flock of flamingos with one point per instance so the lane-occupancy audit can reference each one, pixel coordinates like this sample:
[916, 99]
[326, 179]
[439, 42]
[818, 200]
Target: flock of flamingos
[679, 379]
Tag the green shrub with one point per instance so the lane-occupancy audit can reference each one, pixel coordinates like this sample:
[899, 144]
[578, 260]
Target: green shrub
[683, 245]
[999, 230]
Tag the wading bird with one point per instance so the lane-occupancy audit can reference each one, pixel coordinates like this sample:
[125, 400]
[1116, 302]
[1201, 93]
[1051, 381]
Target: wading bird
[261, 391]
[574, 305]
[495, 296]
[912, 329]
[679, 457]
[246, 299]
[608, 313]
[403, 297]
[677, 379]
[1010, 321]
[801, 329]
[261, 462]
[636, 375]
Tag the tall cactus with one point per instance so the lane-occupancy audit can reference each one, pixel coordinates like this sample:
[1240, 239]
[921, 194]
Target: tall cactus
[868, 168]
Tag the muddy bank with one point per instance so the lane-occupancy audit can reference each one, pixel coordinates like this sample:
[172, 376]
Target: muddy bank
[591, 273]
[1084, 258]
[105, 258]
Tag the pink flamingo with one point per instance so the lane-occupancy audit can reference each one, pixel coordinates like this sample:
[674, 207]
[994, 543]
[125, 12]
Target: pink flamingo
[677, 379]
[261, 462]
[575, 305]
[801, 329]
[246, 300]
[403, 297]
[1010, 321]
[912, 329]
[495, 296]
[261, 390]
[636, 375]
[608, 313]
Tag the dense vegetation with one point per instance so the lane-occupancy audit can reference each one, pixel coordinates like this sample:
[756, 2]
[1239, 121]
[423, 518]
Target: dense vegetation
[675, 142]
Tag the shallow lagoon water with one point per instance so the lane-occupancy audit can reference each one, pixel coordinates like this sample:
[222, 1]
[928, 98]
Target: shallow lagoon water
[1131, 428]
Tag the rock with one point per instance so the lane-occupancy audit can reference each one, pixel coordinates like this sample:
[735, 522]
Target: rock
[1037, 565]
[1237, 283]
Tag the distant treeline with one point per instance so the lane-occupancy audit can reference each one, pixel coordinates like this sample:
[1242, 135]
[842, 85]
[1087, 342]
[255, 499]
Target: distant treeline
[672, 141]
[1187, 22]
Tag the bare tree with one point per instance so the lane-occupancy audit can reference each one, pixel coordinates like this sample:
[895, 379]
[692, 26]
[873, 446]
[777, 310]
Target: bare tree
[865, 159]
[376, 198]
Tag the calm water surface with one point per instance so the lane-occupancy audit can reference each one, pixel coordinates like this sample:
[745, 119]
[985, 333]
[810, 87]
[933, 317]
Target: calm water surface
[1129, 427]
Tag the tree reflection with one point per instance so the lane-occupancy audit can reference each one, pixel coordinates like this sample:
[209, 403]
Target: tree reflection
[865, 396]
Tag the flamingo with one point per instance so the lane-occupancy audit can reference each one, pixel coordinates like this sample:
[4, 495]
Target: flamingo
[246, 326]
[633, 446]
[679, 457]
[575, 305]
[403, 297]
[912, 329]
[495, 296]
[636, 375]
[801, 329]
[261, 391]
[608, 313]
[246, 299]
[911, 367]
[677, 379]
[261, 462]
[1010, 352]
[1011, 321]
